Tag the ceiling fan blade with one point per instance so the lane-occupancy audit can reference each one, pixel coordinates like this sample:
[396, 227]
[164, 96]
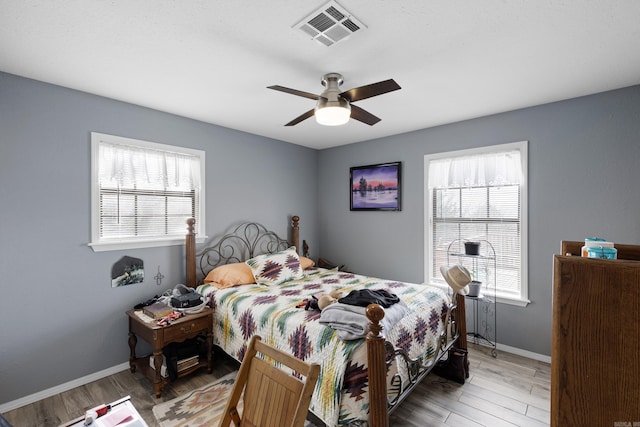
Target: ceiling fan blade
[374, 89]
[294, 92]
[301, 117]
[363, 116]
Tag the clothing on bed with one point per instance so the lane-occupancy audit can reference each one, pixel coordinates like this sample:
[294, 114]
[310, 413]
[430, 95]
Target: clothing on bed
[351, 321]
[364, 297]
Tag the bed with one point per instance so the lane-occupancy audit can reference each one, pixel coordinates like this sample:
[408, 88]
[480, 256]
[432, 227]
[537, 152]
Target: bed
[361, 380]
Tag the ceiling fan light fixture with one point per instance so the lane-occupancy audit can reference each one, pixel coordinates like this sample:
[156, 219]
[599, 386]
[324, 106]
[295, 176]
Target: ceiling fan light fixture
[332, 115]
[331, 108]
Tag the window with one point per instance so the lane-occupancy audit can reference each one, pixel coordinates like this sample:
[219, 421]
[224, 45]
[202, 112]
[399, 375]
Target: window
[142, 193]
[479, 194]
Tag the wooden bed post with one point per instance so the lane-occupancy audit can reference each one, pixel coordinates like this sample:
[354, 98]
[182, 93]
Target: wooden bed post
[376, 361]
[190, 250]
[295, 233]
[461, 320]
[461, 324]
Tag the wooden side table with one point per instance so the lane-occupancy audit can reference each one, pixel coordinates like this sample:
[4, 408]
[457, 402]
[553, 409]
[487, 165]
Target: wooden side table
[186, 327]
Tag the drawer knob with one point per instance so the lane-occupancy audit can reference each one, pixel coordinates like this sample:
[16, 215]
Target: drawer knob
[185, 329]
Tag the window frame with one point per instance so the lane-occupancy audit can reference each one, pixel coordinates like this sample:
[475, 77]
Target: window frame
[522, 147]
[98, 244]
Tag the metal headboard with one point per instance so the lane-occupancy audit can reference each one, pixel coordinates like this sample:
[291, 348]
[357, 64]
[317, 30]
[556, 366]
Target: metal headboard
[244, 242]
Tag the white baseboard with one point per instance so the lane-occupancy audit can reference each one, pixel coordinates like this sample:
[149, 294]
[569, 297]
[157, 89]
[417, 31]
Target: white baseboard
[520, 352]
[525, 353]
[14, 404]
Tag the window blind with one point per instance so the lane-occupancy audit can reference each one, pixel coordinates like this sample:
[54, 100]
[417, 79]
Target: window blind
[143, 191]
[478, 197]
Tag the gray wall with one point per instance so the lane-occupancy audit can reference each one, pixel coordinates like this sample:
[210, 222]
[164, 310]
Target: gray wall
[61, 320]
[584, 156]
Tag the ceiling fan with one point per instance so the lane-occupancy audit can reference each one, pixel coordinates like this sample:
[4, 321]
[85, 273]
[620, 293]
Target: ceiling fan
[334, 108]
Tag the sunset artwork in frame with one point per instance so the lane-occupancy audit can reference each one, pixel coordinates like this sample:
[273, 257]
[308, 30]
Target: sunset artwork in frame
[375, 187]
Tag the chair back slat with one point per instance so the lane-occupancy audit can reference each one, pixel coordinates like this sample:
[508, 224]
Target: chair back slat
[273, 395]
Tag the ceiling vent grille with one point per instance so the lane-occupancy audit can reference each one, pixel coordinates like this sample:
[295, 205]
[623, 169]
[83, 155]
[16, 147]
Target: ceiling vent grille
[330, 24]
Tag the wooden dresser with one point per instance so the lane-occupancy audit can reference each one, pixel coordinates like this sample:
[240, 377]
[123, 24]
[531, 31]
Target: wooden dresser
[595, 356]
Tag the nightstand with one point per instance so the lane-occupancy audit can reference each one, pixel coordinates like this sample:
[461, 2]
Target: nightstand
[186, 327]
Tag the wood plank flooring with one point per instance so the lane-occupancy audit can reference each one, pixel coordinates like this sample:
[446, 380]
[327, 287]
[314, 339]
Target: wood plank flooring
[505, 391]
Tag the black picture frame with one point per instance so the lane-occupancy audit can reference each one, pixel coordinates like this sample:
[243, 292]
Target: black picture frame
[375, 187]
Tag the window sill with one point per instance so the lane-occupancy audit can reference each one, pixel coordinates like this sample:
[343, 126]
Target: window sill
[518, 302]
[502, 299]
[139, 244]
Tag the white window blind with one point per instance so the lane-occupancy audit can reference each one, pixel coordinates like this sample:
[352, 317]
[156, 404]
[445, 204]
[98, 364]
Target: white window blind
[143, 192]
[479, 195]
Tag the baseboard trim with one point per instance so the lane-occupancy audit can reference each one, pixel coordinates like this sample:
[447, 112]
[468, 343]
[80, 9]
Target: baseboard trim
[23, 401]
[524, 353]
[519, 352]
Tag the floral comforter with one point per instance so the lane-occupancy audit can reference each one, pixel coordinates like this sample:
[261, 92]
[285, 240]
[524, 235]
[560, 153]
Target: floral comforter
[340, 396]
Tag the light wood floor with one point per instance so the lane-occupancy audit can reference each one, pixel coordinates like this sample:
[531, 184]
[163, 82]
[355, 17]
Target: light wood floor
[506, 391]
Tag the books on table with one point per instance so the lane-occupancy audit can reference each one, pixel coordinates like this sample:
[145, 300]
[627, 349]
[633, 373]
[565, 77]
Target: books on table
[157, 310]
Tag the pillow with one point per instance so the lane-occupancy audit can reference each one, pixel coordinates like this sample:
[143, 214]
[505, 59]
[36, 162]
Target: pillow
[306, 263]
[228, 275]
[221, 286]
[277, 268]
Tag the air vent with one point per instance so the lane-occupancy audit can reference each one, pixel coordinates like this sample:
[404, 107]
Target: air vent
[330, 24]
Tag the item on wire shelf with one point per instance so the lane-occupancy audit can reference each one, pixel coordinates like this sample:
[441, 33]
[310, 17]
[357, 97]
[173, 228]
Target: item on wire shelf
[472, 248]
[157, 310]
[458, 278]
[474, 288]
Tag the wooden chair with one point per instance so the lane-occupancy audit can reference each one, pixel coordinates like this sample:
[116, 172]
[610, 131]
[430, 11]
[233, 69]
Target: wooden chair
[272, 396]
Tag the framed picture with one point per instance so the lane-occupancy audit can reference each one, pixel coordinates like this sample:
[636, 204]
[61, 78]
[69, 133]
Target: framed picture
[375, 187]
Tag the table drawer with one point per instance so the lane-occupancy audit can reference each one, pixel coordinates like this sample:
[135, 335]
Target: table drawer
[187, 328]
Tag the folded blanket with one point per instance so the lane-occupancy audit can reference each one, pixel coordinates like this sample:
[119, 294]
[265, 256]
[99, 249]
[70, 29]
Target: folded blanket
[351, 321]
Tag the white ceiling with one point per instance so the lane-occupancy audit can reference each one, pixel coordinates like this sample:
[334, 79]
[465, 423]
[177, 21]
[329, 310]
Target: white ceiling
[211, 60]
